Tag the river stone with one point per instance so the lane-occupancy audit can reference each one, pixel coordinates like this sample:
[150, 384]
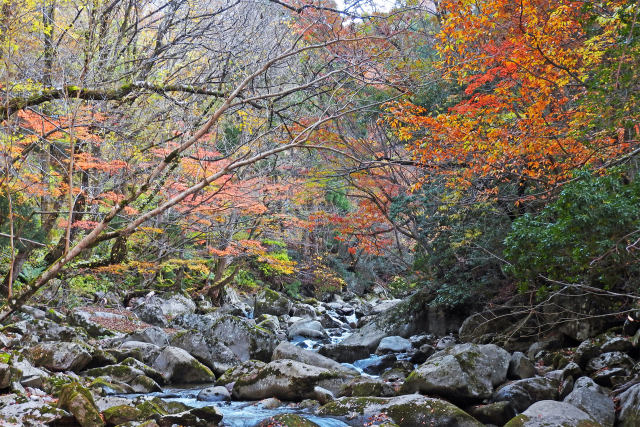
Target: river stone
[60, 356]
[32, 412]
[179, 367]
[214, 394]
[121, 414]
[524, 393]
[591, 400]
[367, 386]
[232, 374]
[79, 401]
[287, 380]
[520, 367]
[212, 353]
[461, 372]
[148, 371]
[497, 413]
[393, 344]
[244, 338]
[629, 415]
[287, 350]
[123, 373]
[268, 301]
[551, 413]
[405, 411]
[307, 328]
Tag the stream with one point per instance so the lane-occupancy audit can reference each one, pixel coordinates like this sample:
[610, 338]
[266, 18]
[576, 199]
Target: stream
[250, 413]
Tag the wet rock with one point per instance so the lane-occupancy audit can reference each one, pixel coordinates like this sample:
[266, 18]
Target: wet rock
[197, 417]
[422, 354]
[464, 371]
[520, 367]
[178, 366]
[287, 350]
[552, 413]
[211, 352]
[380, 364]
[214, 394]
[287, 380]
[304, 311]
[268, 301]
[307, 329]
[589, 397]
[79, 402]
[60, 356]
[523, 393]
[445, 342]
[393, 344]
[405, 411]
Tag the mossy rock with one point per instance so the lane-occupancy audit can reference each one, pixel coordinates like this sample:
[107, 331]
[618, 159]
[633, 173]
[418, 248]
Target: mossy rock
[78, 400]
[107, 385]
[405, 411]
[232, 374]
[122, 373]
[286, 420]
[121, 414]
[149, 409]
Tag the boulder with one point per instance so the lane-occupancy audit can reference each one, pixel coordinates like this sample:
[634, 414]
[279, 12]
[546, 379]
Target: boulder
[79, 402]
[307, 328]
[231, 375]
[121, 414]
[523, 393]
[403, 411]
[268, 301]
[30, 375]
[589, 397]
[214, 394]
[151, 314]
[287, 380]
[143, 351]
[286, 420]
[520, 367]
[497, 413]
[462, 372]
[629, 415]
[242, 337]
[178, 366]
[15, 410]
[211, 352]
[551, 413]
[86, 321]
[152, 335]
[60, 356]
[393, 344]
[367, 386]
[287, 350]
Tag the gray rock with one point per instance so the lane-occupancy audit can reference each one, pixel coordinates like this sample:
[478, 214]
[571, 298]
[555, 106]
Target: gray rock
[84, 320]
[242, 337]
[405, 411]
[393, 344]
[496, 413]
[617, 344]
[151, 314]
[152, 335]
[308, 329]
[60, 356]
[287, 380]
[551, 413]
[610, 360]
[214, 394]
[30, 375]
[385, 305]
[524, 393]
[146, 351]
[37, 411]
[178, 366]
[629, 415]
[245, 368]
[594, 403]
[445, 342]
[520, 367]
[464, 371]
[287, 350]
[271, 302]
[211, 352]
[364, 386]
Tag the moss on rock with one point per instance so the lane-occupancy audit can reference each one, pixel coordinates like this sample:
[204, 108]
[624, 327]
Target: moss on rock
[121, 414]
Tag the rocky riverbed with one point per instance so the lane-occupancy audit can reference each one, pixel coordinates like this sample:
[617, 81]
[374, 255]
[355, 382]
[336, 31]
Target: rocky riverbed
[268, 360]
